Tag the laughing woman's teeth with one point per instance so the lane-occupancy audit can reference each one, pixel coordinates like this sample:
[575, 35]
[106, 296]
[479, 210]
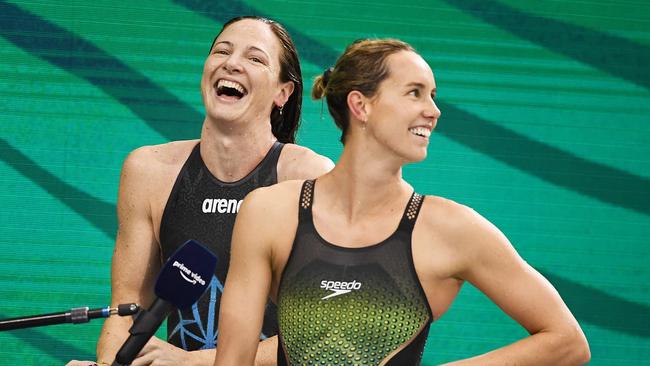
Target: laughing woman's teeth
[420, 131]
[231, 84]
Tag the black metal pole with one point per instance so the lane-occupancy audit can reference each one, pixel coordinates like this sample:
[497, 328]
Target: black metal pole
[77, 315]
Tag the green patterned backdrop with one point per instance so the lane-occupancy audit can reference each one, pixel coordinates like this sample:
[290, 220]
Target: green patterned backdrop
[545, 131]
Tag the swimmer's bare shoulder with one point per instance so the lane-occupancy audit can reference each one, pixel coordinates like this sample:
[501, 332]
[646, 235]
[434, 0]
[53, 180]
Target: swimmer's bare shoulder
[148, 176]
[276, 204]
[454, 231]
[158, 161]
[299, 162]
[272, 213]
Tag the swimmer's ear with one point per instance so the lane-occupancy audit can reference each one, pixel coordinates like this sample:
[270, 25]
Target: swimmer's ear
[358, 105]
[286, 89]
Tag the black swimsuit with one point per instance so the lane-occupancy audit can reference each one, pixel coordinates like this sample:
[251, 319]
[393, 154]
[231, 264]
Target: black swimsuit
[203, 208]
[351, 306]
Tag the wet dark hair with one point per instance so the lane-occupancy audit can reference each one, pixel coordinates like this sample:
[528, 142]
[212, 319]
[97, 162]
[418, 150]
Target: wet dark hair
[361, 67]
[284, 126]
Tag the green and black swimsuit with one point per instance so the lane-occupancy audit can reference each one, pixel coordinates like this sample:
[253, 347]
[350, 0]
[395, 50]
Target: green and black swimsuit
[351, 306]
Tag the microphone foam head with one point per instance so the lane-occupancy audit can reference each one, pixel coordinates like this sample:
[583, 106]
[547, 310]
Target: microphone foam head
[186, 274]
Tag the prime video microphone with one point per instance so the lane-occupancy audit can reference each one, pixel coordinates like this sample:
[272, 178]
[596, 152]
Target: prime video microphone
[182, 280]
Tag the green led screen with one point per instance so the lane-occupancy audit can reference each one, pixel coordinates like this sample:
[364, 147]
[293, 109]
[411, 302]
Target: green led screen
[544, 131]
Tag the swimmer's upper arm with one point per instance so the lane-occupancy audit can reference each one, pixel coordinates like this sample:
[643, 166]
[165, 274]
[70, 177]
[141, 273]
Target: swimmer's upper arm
[136, 256]
[494, 267]
[498, 270]
[248, 282]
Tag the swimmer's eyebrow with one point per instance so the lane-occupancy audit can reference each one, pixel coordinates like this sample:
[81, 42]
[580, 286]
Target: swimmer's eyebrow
[415, 84]
[419, 85]
[230, 44]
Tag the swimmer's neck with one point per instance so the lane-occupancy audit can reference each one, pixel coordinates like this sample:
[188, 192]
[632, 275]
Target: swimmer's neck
[232, 151]
[362, 184]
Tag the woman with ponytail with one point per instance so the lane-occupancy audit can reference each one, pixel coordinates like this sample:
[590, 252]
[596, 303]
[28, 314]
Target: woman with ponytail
[360, 264]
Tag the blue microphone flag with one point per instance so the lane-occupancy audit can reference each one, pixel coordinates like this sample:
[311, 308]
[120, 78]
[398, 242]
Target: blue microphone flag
[186, 274]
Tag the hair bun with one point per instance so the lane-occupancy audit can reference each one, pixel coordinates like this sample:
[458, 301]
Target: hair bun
[326, 76]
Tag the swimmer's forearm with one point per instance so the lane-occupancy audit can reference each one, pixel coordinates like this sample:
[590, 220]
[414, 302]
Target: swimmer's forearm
[543, 348]
[200, 358]
[267, 352]
[114, 332]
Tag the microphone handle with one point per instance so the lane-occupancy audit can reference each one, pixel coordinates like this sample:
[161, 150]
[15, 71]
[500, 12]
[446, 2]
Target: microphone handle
[144, 326]
[76, 315]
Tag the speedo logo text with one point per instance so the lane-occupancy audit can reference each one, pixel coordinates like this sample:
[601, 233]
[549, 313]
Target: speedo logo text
[220, 205]
[339, 287]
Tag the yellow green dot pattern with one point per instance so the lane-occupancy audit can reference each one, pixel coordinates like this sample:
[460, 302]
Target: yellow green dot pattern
[362, 327]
